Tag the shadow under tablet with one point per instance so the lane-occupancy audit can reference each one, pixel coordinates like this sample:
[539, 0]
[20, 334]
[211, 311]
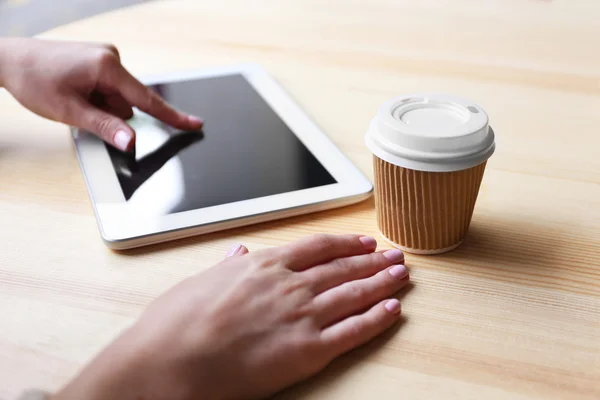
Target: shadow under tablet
[132, 173]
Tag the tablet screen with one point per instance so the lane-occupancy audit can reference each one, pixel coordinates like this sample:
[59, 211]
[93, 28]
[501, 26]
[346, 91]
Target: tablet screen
[244, 151]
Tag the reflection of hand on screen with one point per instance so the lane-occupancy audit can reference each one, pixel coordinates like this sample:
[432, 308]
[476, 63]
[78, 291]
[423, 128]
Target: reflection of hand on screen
[133, 173]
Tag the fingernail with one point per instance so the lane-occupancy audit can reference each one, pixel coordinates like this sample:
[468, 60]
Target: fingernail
[368, 242]
[122, 140]
[195, 120]
[232, 251]
[398, 271]
[394, 255]
[393, 306]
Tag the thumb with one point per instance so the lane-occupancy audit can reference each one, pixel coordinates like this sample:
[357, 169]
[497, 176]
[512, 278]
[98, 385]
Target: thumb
[113, 130]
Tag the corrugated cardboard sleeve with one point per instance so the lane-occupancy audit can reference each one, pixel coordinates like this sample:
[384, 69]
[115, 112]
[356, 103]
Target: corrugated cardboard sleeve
[425, 212]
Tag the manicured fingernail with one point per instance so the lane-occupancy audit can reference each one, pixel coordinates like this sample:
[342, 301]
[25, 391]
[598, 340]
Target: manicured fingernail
[393, 306]
[368, 242]
[123, 140]
[232, 251]
[394, 255]
[398, 271]
[195, 120]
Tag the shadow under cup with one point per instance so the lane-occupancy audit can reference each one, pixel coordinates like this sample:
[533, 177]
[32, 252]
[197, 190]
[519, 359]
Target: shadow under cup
[425, 212]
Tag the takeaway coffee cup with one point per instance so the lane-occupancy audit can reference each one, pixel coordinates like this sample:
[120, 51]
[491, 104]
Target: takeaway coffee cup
[429, 156]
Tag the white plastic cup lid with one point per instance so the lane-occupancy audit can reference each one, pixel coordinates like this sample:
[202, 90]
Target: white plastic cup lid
[431, 132]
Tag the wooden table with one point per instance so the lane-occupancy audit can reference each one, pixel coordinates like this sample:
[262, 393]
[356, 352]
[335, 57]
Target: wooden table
[513, 313]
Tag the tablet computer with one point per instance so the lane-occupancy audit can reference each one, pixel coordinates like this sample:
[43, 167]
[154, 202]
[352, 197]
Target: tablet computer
[257, 158]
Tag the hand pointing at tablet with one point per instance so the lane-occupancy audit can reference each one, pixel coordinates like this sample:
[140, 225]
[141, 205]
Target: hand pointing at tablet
[82, 85]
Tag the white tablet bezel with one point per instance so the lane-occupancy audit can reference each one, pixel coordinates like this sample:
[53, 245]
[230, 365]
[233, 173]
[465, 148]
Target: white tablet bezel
[119, 223]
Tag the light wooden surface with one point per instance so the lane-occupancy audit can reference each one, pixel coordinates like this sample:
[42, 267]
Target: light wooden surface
[513, 313]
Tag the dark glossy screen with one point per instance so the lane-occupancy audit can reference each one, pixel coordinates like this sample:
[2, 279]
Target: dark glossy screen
[245, 151]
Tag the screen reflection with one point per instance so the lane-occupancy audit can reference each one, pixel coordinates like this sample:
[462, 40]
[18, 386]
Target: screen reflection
[133, 173]
[246, 151]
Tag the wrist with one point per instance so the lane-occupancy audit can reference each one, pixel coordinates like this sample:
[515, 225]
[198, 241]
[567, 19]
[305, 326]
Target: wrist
[11, 50]
[129, 368]
[110, 375]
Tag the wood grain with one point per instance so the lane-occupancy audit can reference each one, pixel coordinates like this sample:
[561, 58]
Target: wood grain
[512, 313]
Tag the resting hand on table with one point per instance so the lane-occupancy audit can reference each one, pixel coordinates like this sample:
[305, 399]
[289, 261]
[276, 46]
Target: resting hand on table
[253, 324]
[82, 85]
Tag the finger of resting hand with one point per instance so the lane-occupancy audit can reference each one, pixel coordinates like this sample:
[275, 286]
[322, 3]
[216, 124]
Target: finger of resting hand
[354, 297]
[359, 329]
[322, 248]
[236, 251]
[342, 270]
[151, 103]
